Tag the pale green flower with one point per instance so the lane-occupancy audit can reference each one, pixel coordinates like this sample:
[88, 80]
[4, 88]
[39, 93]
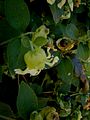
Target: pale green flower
[36, 61]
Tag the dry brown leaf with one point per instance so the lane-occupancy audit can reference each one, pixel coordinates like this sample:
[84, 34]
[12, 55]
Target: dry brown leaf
[77, 3]
[87, 106]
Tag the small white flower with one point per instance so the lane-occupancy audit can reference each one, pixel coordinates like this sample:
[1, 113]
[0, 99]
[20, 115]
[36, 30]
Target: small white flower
[32, 72]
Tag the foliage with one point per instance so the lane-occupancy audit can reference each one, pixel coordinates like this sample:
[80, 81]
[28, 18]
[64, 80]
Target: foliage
[45, 48]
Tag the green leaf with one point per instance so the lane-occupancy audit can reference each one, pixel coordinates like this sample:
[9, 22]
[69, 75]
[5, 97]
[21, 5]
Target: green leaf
[6, 31]
[83, 51]
[26, 100]
[34, 23]
[64, 87]
[59, 29]
[42, 102]
[5, 111]
[15, 55]
[65, 70]
[17, 14]
[37, 88]
[56, 12]
[40, 41]
[72, 31]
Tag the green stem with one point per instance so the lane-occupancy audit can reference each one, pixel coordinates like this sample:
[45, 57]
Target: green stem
[7, 41]
[31, 45]
[28, 33]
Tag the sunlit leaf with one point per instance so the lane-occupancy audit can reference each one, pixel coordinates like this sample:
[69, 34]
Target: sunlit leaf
[40, 41]
[26, 100]
[42, 31]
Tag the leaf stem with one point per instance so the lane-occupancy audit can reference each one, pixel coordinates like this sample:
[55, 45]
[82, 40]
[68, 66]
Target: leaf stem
[31, 45]
[27, 33]
[7, 41]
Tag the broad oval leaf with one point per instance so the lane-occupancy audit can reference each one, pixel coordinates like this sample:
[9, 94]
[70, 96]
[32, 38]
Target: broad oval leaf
[17, 14]
[83, 51]
[72, 31]
[26, 100]
[65, 70]
[15, 55]
[6, 31]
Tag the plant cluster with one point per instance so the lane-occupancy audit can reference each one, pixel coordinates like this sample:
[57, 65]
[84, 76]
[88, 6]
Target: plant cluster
[45, 47]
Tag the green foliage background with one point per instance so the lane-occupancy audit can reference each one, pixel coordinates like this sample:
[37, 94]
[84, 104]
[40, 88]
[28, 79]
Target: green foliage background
[59, 91]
